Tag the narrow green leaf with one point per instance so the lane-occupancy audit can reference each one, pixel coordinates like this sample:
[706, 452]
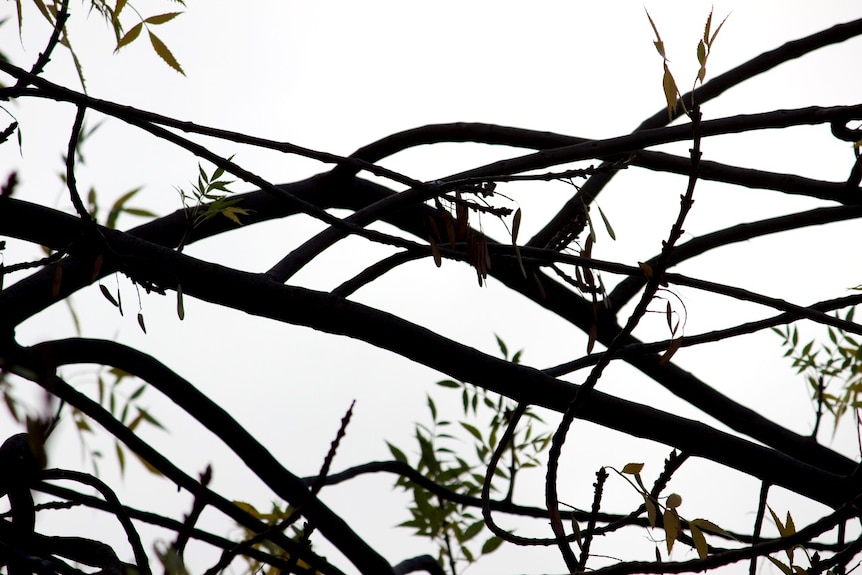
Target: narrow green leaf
[707, 27]
[658, 43]
[397, 453]
[789, 525]
[129, 36]
[118, 207]
[520, 261]
[139, 212]
[233, 214]
[671, 528]
[699, 541]
[707, 525]
[119, 8]
[164, 53]
[670, 91]
[607, 224]
[162, 18]
[650, 509]
[491, 545]
[138, 392]
[516, 225]
[503, 349]
[135, 422]
[468, 555]
[121, 457]
[181, 310]
[714, 34]
[448, 383]
[147, 464]
[150, 419]
[472, 430]
[782, 529]
[472, 531]
[784, 568]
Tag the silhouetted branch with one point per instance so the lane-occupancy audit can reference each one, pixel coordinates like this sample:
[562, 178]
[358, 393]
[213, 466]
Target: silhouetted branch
[170, 524]
[731, 556]
[61, 389]
[214, 418]
[706, 92]
[141, 561]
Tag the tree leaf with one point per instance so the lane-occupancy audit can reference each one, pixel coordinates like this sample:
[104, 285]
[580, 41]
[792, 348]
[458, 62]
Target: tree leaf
[118, 207]
[164, 53]
[435, 252]
[633, 468]
[671, 350]
[516, 225]
[673, 501]
[520, 261]
[671, 528]
[659, 45]
[491, 545]
[670, 91]
[162, 18]
[608, 227]
[108, 295]
[232, 213]
[502, 345]
[129, 36]
[119, 8]
[699, 541]
[650, 508]
[701, 57]
[789, 525]
[448, 383]
[472, 430]
[121, 457]
[707, 525]
[147, 465]
[397, 453]
[782, 530]
[707, 27]
[181, 310]
[784, 568]
[472, 531]
[714, 34]
[591, 342]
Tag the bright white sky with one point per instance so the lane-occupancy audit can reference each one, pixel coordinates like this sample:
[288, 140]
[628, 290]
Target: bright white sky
[337, 75]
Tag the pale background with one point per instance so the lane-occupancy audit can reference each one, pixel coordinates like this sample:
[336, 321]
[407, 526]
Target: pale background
[337, 75]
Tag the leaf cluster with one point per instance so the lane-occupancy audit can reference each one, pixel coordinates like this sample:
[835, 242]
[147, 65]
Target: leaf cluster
[442, 459]
[125, 405]
[210, 197]
[111, 14]
[787, 529]
[704, 47]
[832, 369]
[277, 515]
[666, 515]
[124, 39]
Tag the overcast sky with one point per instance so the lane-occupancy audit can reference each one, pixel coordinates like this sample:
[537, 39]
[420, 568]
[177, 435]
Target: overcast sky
[337, 75]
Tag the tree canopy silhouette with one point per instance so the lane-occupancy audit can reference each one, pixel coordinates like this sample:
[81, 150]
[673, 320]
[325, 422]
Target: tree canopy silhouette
[439, 221]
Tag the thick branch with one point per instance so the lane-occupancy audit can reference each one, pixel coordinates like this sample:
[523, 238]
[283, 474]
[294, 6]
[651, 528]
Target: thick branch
[257, 295]
[288, 486]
